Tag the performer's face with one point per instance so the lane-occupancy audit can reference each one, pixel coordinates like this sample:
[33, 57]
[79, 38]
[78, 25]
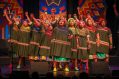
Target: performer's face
[61, 22]
[46, 24]
[103, 23]
[90, 22]
[62, 17]
[75, 16]
[18, 19]
[71, 23]
[81, 24]
[41, 17]
[25, 23]
[88, 16]
[69, 15]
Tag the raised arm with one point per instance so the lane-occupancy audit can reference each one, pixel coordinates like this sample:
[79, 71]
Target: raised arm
[78, 9]
[115, 10]
[35, 20]
[7, 17]
[98, 39]
[26, 14]
[110, 39]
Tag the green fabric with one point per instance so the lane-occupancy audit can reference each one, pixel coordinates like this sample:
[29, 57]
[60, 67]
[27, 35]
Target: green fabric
[101, 55]
[61, 59]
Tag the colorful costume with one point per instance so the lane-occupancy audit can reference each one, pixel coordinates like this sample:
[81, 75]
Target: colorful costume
[60, 44]
[45, 42]
[74, 32]
[24, 40]
[14, 38]
[104, 40]
[82, 43]
[35, 38]
[92, 50]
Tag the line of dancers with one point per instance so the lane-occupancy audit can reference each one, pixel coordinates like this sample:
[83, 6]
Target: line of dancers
[59, 40]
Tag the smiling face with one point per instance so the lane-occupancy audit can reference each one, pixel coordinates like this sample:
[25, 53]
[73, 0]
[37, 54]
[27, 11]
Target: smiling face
[61, 22]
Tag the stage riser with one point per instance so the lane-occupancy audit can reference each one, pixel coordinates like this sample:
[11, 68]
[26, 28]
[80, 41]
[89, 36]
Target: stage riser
[4, 48]
[40, 67]
[114, 61]
[5, 60]
[99, 68]
[115, 73]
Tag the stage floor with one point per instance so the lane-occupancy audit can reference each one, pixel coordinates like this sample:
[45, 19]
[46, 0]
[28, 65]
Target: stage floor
[7, 68]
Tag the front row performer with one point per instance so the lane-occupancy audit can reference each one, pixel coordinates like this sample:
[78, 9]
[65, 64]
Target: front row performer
[60, 45]
[104, 41]
[73, 29]
[20, 37]
[83, 44]
[93, 35]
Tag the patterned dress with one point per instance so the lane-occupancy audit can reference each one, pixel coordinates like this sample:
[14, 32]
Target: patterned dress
[35, 39]
[14, 37]
[74, 31]
[104, 36]
[60, 44]
[82, 43]
[93, 46]
[24, 40]
[45, 42]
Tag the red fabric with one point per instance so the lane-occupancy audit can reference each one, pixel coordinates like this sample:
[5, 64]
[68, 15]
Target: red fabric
[91, 28]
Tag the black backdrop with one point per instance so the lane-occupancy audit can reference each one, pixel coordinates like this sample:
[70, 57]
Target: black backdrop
[113, 23]
[32, 6]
